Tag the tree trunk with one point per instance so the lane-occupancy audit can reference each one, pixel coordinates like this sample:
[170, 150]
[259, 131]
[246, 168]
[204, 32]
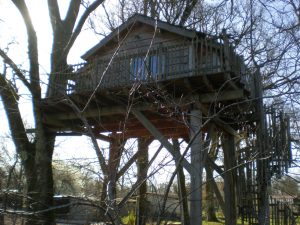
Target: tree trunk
[36, 157]
[40, 181]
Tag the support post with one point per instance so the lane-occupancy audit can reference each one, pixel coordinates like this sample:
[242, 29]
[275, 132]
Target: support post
[210, 205]
[115, 151]
[212, 156]
[263, 160]
[182, 194]
[229, 179]
[196, 168]
[142, 169]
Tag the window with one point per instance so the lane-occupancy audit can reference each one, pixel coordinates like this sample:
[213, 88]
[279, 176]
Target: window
[137, 68]
[143, 69]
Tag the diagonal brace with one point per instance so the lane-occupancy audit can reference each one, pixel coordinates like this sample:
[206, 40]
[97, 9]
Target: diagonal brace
[157, 135]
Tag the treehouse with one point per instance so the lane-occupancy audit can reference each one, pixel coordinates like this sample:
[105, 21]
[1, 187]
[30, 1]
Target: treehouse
[150, 79]
[155, 67]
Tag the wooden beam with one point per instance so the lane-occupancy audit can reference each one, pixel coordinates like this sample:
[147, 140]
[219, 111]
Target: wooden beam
[100, 111]
[197, 167]
[182, 192]
[219, 196]
[220, 123]
[228, 145]
[142, 164]
[157, 135]
[214, 166]
[221, 96]
[103, 137]
[230, 81]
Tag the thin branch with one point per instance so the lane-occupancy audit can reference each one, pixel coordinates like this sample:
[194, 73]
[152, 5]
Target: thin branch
[15, 68]
[99, 154]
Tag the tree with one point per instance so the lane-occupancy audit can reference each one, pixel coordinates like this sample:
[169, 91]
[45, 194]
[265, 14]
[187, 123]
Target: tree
[36, 154]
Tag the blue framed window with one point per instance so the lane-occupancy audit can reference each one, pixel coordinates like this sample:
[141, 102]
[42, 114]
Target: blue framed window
[143, 69]
[137, 68]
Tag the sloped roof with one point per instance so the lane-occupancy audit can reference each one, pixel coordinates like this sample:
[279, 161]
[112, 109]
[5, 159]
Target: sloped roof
[138, 18]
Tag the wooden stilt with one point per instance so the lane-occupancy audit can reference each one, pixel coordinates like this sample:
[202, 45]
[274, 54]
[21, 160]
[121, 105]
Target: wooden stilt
[182, 193]
[262, 162]
[115, 152]
[142, 169]
[196, 168]
[229, 179]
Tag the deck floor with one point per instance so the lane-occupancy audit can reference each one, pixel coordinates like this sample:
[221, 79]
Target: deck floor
[166, 105]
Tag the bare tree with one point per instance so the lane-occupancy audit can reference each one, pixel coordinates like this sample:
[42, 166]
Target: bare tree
[36, 154]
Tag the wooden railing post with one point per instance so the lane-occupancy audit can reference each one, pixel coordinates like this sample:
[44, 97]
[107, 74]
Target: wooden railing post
[192, 59]
[226, 50]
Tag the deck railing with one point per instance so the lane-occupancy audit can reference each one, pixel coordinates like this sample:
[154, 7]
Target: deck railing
[163, 62]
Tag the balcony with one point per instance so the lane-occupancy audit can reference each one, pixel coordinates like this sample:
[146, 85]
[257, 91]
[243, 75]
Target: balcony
[205, 61]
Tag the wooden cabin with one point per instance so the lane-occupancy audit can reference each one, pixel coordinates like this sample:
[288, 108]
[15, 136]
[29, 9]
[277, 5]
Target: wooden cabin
[155, 67]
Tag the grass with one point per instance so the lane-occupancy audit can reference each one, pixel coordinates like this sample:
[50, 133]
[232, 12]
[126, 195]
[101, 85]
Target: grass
[130, 220]
[211, 223]
[218, 223]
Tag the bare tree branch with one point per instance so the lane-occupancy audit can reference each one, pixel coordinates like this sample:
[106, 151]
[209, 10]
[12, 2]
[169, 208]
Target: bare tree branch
[190, 4]
[32, 49]
[15, 121]
[71, 16]
[54, 14]
[15, 68]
